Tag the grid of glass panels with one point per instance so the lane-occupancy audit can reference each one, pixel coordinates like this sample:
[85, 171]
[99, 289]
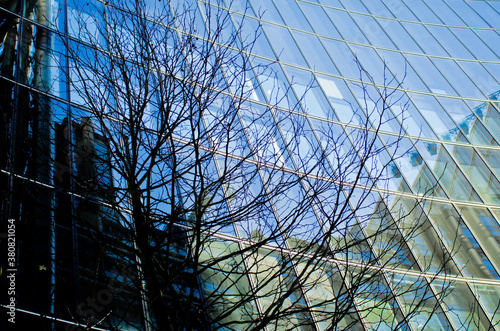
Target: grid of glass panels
[442, 57]
[439, 58]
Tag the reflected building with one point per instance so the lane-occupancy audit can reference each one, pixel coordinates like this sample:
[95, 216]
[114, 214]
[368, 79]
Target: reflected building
[439, 60]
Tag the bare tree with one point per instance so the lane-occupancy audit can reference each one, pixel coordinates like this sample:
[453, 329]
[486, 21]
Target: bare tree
[214, 206]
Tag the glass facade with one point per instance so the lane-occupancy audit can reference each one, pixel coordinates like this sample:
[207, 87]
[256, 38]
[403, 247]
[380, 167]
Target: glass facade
[366, 130]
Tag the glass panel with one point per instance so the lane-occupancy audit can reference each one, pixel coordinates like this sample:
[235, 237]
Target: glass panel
[331, 3]
[468, 15]
[486, 230]
[274, 84]
[86, 21]
[44, 12]
[424, 39]
[387, 242]
[478, 173]
[284, 45]
[246, 193]
[315, 53]
[415, 124]
[430, 75]
[469, 125]
[312, 98]
[346, 26]
[41, 66]
[404, 72]
[461, 306]
[400, 37]
[412, 166]
[370, 61]
[484, 10]
[488, 296]
[319, 20]
[457, 78]
[448, 40]
[435, 116]
[491, 38]
[274, 279]
[398, 9]
[419, 301]
[447, 172]
[226, 285]
[492, 158]
[224, 129]
[343, 57]
[337, 146]
[302, 144]
[9, 45]
[240, 6]
[373, 31]
[340, 98]
[376, 304]
[292, 14]
[264, 137]
[444, 12]
[423, 13]
[377, 7]
[490, 116]
[354, 5]
[482, 78]
[421, 237]
[329, 284]
[351, 112]
[464, 247]
[266, 10]
[474, 44]
[379, 105]
[261, 45]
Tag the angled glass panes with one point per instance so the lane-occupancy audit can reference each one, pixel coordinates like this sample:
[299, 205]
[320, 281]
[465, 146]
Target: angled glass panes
[448, 173]
[346, 26]
[464, 248]
[422, 12]
[400, 37]
[483, 180]
[301, 167]
[314, 53]
[86, 21]
[444, 12]
[312, 97]
[284, 45]
[412, 292]
[461, 306]
[481, 76]
[274, 278]
[373, 29]
[274, 84]
[226, 285]
[475, 45]
[319, 20]
[424, 39]
[378, 8]
[345, 106]
[409, 163]
[264, 137]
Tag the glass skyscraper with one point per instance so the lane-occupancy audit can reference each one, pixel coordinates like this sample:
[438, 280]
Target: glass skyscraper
[353, 165]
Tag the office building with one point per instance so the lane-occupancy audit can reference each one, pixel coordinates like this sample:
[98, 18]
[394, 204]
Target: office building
[343, 173]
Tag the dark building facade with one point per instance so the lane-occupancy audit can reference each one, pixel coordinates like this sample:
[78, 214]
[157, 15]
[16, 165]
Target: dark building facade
[440, 60]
